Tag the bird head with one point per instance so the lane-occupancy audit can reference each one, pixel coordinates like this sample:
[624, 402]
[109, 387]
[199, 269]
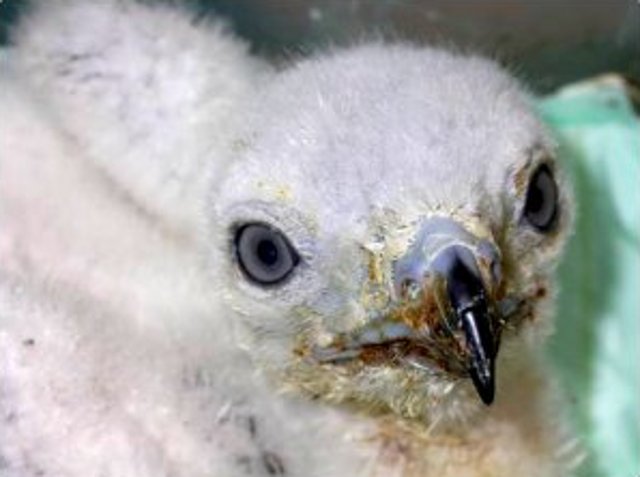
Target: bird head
[389, 226]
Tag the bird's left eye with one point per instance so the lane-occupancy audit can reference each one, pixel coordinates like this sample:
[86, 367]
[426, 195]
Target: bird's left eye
[541, 203]
[264, 254]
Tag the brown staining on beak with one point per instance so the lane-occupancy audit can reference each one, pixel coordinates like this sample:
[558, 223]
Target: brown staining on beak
[424, 311]
[436, 342]
[424, 314]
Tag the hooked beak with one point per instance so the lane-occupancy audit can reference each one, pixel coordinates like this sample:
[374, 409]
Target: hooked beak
[446, 249]
[460, 334]
[467, 296]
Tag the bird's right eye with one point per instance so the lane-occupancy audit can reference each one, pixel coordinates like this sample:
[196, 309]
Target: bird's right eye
[541, 204]
[264, 254]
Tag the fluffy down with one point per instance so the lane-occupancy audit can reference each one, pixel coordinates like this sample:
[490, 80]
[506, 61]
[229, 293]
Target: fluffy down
[132, 139]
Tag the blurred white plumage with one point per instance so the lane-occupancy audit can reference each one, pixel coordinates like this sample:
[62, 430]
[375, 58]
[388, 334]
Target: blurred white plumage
[209, 268]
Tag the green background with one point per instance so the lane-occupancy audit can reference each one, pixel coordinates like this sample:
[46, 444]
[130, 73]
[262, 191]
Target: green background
[596, 347]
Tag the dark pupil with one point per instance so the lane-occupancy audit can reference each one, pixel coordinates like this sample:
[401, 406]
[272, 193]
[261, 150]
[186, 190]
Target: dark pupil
[535, 201]
[267, 252]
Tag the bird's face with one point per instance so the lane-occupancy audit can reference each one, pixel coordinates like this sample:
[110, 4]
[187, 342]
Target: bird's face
[390, 228]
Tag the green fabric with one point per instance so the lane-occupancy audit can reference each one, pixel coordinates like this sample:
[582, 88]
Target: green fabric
[596, 347]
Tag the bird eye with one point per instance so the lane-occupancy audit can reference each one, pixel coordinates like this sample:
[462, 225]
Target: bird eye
[541, 203]
[264, 254]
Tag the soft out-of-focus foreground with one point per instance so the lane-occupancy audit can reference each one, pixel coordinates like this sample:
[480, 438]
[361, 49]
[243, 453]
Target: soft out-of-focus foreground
[557, 48]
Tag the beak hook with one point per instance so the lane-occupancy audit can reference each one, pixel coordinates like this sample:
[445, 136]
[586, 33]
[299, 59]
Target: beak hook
[468, 299]
[480, 343]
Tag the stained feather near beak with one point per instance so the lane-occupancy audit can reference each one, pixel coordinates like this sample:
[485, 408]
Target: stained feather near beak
[448, 250]
[443, 317]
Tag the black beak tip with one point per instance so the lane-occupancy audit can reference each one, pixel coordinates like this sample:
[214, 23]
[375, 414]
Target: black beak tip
[467, 296]
[485, 387]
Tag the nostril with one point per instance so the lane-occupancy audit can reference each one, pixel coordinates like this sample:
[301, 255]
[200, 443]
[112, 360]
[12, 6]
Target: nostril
[409, 275]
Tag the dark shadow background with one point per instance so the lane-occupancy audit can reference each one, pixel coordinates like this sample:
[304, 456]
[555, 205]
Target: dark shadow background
[547, 43]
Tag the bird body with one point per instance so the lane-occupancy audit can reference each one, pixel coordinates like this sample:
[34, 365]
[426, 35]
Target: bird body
[140, 154]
